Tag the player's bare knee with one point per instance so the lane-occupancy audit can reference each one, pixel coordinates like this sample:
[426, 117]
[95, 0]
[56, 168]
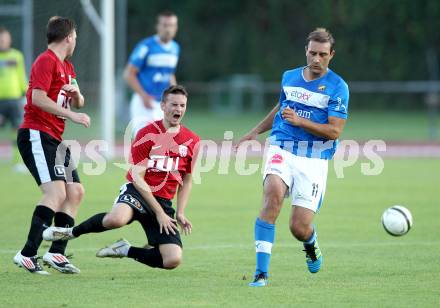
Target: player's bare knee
[111, 221]
[76, 195]
[171, 256]
[171, 262]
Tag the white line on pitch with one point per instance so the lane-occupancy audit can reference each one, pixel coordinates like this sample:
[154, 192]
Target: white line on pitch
[282, 245]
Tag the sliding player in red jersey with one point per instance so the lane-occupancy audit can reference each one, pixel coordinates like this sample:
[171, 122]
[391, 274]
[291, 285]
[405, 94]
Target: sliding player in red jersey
[162, 157]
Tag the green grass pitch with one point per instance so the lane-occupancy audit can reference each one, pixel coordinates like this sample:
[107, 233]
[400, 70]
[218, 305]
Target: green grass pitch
[363, 266]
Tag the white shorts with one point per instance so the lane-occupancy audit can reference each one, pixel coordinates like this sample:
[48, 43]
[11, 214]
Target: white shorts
[140, 115]
[305, 177]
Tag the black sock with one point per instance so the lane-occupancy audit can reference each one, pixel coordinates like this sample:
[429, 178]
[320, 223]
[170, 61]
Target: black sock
[91, 225]
[61, 220]
[150, 257]
[41, 219]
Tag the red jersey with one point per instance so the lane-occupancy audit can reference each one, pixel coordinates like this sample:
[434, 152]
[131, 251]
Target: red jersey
[49, 74]
[167, 156]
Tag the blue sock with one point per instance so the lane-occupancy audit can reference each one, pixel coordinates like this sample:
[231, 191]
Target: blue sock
[264, 237]
[312, 238]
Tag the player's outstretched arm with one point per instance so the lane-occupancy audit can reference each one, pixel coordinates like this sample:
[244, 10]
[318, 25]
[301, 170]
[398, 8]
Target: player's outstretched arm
[166, 223]
[182, 200]
[262, 127]
[42, 101]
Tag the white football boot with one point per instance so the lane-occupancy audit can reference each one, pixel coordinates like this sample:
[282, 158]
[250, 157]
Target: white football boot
[29, 263]
[57, 234]
[116, 250]
[60, 263]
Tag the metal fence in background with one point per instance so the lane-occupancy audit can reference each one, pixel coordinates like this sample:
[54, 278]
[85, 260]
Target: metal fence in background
[243, 93]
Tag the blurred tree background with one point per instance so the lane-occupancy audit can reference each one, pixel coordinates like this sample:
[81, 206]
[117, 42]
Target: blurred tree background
[375, 39]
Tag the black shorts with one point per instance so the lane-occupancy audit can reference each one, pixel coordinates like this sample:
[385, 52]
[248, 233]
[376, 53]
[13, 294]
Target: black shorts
[10, 111]
[39, 153]
[146, 217]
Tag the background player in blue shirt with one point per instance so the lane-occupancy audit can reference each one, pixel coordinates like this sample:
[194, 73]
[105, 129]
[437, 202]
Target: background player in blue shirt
[306, 124]
[150, 70]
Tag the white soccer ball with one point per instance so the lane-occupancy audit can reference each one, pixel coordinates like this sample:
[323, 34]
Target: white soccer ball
[397, 220]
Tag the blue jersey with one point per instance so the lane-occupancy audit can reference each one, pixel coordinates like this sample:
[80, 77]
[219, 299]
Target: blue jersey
[156, 63]
[314, 100]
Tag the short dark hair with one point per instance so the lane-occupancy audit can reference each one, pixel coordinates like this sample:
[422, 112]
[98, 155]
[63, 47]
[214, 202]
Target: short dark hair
[174, 89]
[166, 13]
[58, 28]
[321, 35]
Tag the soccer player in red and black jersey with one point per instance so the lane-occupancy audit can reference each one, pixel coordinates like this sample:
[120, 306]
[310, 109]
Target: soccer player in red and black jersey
[52, 90]
[162, 157]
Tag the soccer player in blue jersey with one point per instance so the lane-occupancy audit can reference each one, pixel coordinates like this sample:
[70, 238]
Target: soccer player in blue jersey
[150, 70]
[306, 124]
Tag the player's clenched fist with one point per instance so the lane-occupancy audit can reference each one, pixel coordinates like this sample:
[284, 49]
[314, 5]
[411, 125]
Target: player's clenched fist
[290, 115]
[71, 90]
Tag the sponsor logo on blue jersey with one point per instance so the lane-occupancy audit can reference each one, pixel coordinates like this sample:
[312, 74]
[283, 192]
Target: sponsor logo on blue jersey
[314, 100]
